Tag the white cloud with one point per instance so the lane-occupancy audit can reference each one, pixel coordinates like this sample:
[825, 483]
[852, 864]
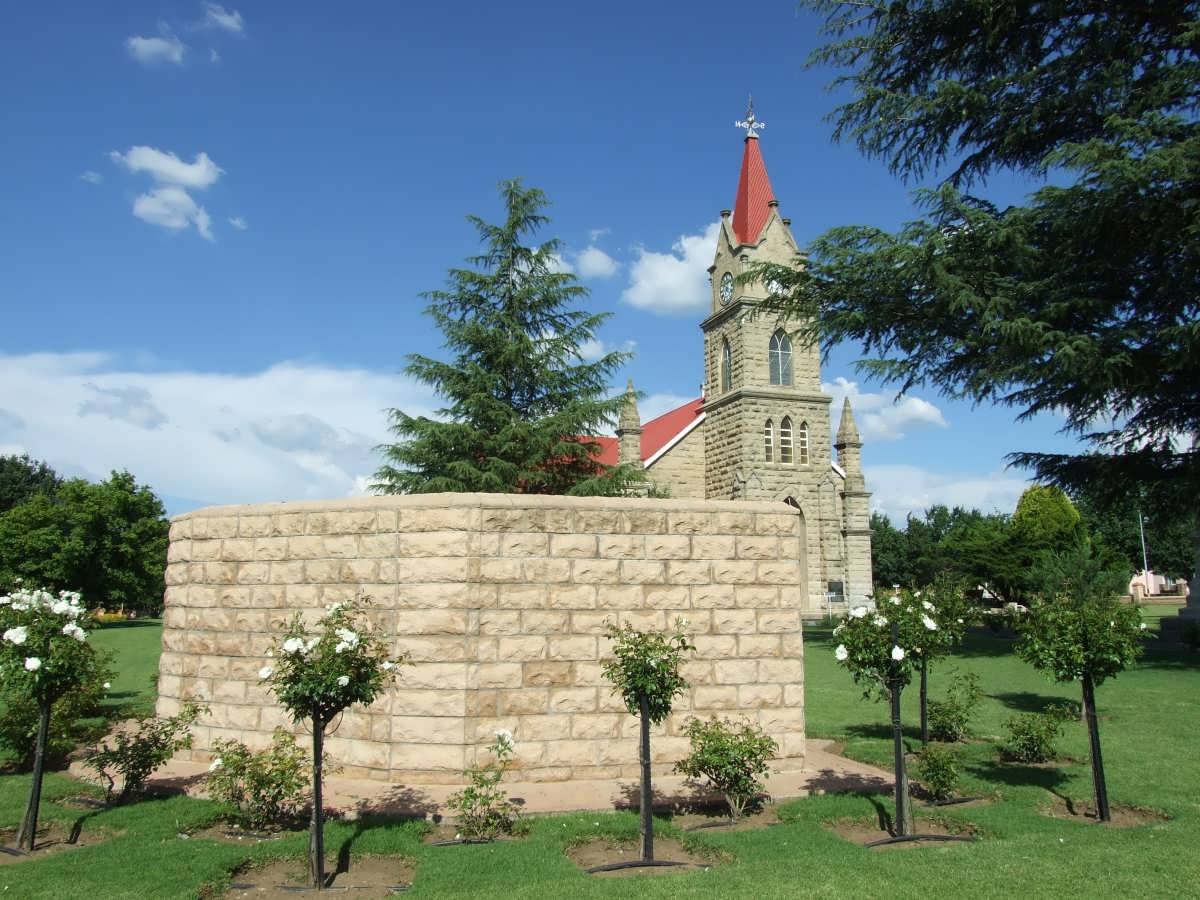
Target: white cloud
[92, 177]
[173, 207]
[675, 282]
[131, 404]
[898, 490]
[168, 168]
[214, 443]
[595, 263]
[559, 265]
[596, 233]
[592, 350]
[218, 16]
[213, 56]
[881, 417]
[238, 222]
[153, 51]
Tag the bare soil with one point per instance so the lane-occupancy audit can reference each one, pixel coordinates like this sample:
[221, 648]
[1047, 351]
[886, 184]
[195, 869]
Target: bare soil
[1122, 816]
[864, 831]
[367, 878]
[709, 821]
[51, 838]
[235, 834]
[601, 852]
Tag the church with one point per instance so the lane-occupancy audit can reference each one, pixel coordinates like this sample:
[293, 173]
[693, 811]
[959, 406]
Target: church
[761, 429]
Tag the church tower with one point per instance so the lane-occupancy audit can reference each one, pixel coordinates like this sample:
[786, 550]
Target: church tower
[766, 430]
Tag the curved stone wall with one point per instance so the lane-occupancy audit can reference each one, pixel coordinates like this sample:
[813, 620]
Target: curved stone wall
[501, 602]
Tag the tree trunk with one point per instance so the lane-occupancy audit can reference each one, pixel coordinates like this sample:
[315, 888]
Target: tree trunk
[1089, 711]
[28, 832]
[647, 788]
[316, 827]
[924, 701]
[903, 811]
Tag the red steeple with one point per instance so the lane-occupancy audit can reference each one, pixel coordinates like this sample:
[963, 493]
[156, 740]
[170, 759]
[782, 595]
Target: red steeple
[754, 194]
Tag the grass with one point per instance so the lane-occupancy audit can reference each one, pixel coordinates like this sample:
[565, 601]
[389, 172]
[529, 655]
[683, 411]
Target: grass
[1150, 721]
[136, 645]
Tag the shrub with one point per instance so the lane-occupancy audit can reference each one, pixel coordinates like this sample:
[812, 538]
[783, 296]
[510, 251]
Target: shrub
[949, 718]
[483, 808]
[139, 750]
[939, 769]
[1031, 737]
[266, 788]
[73, 716]
[733, 758]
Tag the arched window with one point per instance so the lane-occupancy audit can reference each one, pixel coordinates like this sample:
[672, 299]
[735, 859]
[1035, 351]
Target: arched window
[802, 444]
[769, 441]
[780, 358]
[785, 440]
[726, 366]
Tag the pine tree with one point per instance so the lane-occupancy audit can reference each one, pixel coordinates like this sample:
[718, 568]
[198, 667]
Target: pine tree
[519, 398]
[1085, 300]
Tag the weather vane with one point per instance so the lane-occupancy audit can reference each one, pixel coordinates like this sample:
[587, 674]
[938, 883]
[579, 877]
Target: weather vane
[750, 123]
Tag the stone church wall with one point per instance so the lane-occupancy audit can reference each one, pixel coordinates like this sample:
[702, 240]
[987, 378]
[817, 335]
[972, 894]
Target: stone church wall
[681, 469]
[501, 601]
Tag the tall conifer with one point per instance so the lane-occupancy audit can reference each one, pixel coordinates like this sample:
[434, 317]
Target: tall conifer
[519, 397]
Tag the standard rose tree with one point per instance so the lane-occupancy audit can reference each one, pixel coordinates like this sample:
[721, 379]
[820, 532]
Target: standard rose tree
[645, 672]
[1081, 632]
[316, 674]
[44, 652]
[878, 647]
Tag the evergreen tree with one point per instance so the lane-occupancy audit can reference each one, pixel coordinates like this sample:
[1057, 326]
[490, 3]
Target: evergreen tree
[21, 477]
[1084, 300]
[520, 400]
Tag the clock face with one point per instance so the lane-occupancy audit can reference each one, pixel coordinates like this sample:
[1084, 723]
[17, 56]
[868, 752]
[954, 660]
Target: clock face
[726, 287]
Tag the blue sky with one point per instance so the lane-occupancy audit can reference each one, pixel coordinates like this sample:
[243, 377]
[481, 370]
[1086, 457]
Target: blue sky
[217, 220]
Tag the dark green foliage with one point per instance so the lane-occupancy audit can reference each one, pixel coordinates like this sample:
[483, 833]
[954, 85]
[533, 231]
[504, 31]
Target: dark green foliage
[136, 752]
[483, 809]
[1033, 737]
[519, 398]
[1020, 305]
[73, 716]
[106, 540]
[1113, 525]
[265, 788]
[733, 757]
[888, 552]
[21, 477]
[950, 717]
[939, 768]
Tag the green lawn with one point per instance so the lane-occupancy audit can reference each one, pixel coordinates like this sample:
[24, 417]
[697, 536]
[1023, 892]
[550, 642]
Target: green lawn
[137, 645]
[1150, 725]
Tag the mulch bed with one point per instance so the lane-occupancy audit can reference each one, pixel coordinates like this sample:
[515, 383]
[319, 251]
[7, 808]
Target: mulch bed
[602, 852]
[54, 837]
[366, 878]
[865, 831]
[1122, 816]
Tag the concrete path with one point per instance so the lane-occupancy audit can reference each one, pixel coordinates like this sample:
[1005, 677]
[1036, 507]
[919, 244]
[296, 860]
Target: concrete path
[824, 771]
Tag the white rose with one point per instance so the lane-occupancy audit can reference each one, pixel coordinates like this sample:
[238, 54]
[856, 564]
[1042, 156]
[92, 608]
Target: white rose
[897, 653]
[32, 664]
[841, 654]
[293, 645]
[343, 681]
[16, 635]
[929, 623]
[266, 672]
[858, 612]
[927, 605]
[388, 665]
[107, 686]
[878, 621]
[215, 764]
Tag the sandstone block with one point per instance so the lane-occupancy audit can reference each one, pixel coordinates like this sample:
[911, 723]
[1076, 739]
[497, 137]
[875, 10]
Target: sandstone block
[544, 728]
[503, 520]
[618, 597]
[778, 621]
[735, 671]
[567, 546]
[523, 701]
[547, 571]
[689, 572]
[595, 726]
[756, 597]
[572, 596]
[435, 543]
[689, 522]
[544, 622]
[668, 546]
[713, 646]
[499, 621]
[428, 729]
[644, 521]
[734, 572]
[597, 521]
[435, 676]
[751, 646]
[435, 519]
[570, 648]
[622, 546]
[734, 621]
[522, 648]
[547, 673]
[673, 598]
[759, 696]
[573, 700]
[596, 571]
[781, 670]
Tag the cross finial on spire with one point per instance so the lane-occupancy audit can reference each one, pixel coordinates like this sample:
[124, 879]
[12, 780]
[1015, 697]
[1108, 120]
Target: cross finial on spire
[750, 123]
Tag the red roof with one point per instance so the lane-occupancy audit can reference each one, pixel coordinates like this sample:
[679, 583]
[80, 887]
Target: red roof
[750, 209]
[656, 434]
